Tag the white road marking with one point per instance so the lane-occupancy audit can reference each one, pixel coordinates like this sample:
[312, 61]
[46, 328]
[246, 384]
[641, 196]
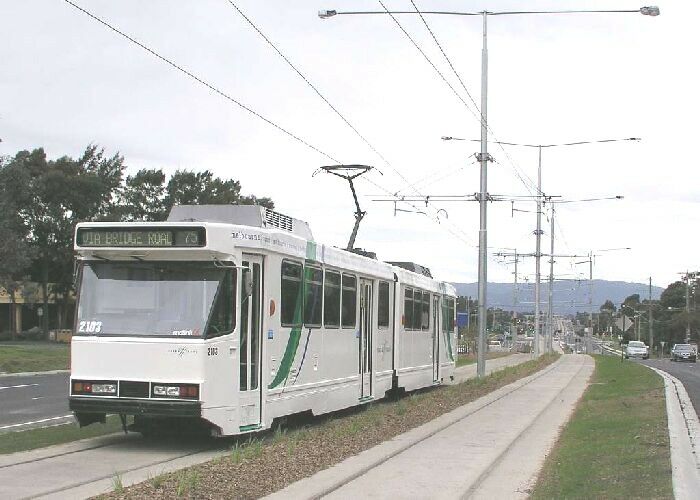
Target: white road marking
[43, 420]
[16, 386]
[38, 397]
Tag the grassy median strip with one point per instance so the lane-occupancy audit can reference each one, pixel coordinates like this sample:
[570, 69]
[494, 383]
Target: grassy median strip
[262, 464]
[33, 357]
[616, 445]
[31, 439]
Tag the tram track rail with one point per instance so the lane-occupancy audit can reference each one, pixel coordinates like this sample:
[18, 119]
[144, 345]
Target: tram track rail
[123, 447]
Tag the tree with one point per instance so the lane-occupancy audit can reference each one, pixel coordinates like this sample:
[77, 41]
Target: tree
[146, 197]
[605, 318]
[142, 198]
[50, 197]
[43, 200]
[202, 188]
[15, 252]
[672, 318]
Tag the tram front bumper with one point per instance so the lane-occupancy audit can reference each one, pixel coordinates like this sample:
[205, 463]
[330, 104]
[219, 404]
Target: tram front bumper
[92, 404]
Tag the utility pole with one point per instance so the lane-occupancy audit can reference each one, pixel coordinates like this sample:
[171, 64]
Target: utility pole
[483, 200]
[514, 326]
[550, 317]
[538, 253]
[651, 321]
[687, 306]
[590, 303]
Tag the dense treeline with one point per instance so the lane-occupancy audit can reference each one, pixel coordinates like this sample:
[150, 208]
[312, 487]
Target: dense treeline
[41, 201]
[670, 320]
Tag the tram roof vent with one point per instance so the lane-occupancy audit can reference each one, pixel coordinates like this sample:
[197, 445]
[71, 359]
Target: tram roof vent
[244, 215]
[413, 267]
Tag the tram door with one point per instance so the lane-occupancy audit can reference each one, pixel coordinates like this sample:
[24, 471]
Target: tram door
[250, 341]
[436, 338]
[365, 344]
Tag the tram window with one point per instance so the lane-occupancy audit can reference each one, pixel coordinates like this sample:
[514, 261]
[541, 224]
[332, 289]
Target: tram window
[331, 300]
[425, 318]
[450, 314]
[222, 319]
[383, 310]
[244, 336]
[408, 309]
[445, 314]
[313, 288]
[417, 312]
[255, 328]
[348, 315]
[291, 298]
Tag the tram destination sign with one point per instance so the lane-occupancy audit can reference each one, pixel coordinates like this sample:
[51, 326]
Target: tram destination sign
[141, 237]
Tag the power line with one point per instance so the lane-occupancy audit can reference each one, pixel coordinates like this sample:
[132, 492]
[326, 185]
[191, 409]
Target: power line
[201, 81]
[335, 110]
[516, 169]
[415, 44]
[240, 104]
[425, 23]
[315, 89]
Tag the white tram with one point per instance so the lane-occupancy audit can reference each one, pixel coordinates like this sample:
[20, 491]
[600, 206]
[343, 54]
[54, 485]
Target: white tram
[232, 316]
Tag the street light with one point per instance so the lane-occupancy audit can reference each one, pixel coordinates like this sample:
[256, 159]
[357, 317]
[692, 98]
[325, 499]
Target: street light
[483, 156]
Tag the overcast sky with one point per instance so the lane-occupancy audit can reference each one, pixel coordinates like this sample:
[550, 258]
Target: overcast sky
[66, 81]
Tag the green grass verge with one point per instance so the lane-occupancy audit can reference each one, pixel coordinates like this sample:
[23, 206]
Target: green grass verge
[31, 439]
[616, 445]
[33, 357]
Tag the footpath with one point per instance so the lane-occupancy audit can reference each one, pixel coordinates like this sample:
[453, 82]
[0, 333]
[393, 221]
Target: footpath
[491, 448]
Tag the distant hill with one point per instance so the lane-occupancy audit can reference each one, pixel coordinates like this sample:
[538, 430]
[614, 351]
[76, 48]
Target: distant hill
[570, 296]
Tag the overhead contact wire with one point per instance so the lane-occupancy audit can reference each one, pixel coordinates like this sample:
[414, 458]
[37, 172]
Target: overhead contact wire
[308, 82]
[201, 81]
[325, 100]
[481, 119]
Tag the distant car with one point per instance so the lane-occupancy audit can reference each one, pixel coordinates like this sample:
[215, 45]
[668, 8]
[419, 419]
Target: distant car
[636, 349]
[683, 352]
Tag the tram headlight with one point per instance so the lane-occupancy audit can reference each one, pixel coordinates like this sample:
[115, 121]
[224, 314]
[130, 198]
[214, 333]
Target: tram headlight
[182, 391]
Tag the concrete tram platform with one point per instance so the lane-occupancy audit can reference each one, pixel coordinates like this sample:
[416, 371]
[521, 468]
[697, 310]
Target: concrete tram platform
[493, 447]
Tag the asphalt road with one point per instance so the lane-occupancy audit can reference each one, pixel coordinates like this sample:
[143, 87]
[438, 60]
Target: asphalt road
[688, 373]
[33, 401]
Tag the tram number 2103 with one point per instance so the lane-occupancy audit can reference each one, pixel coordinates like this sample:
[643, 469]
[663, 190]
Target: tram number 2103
[212, 351]
[89, 326]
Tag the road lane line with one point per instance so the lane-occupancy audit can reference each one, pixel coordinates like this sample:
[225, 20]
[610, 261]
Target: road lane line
[16, 386]
[34, 422]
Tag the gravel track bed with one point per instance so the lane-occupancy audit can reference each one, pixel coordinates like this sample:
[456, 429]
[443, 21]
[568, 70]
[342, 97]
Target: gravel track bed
[256, 466]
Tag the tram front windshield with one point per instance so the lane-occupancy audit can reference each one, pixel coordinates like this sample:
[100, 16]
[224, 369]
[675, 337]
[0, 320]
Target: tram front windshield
[171, 299]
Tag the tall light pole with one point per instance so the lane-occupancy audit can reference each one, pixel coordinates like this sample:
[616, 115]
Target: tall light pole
[484, 157]
[483, 195]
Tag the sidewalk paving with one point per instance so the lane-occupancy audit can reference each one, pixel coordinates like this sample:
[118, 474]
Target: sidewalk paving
[491, 448]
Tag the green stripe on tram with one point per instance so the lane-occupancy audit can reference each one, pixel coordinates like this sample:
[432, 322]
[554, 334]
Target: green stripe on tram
[290, 351]
[449, 345]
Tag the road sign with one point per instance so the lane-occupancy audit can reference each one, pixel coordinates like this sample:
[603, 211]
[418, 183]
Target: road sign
[624, 323]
